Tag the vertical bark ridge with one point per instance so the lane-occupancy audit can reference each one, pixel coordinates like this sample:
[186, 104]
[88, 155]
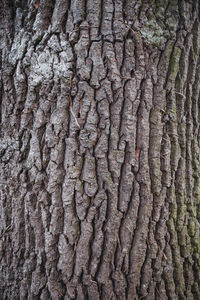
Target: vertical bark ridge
[100, 150]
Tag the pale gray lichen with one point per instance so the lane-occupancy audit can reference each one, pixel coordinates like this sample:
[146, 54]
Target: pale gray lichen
[7, 148]
[153, 34]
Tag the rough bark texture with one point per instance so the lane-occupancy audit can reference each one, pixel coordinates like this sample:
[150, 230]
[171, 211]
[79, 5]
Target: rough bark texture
[100, 149]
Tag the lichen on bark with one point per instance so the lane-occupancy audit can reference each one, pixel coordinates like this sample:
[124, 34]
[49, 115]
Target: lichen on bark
[99, 152]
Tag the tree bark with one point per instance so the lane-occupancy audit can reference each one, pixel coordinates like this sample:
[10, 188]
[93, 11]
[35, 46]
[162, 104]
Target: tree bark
[100, 149]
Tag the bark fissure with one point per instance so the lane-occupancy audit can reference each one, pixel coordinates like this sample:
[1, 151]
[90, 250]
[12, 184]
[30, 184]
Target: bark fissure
[99, 153]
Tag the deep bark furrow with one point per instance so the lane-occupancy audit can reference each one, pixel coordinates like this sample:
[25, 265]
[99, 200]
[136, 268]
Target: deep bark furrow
[99, 150]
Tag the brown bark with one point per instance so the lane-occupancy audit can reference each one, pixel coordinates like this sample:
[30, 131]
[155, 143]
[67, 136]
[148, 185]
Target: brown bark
[100, 160]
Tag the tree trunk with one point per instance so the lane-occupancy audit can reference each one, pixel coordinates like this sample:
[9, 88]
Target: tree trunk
[100, 149]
